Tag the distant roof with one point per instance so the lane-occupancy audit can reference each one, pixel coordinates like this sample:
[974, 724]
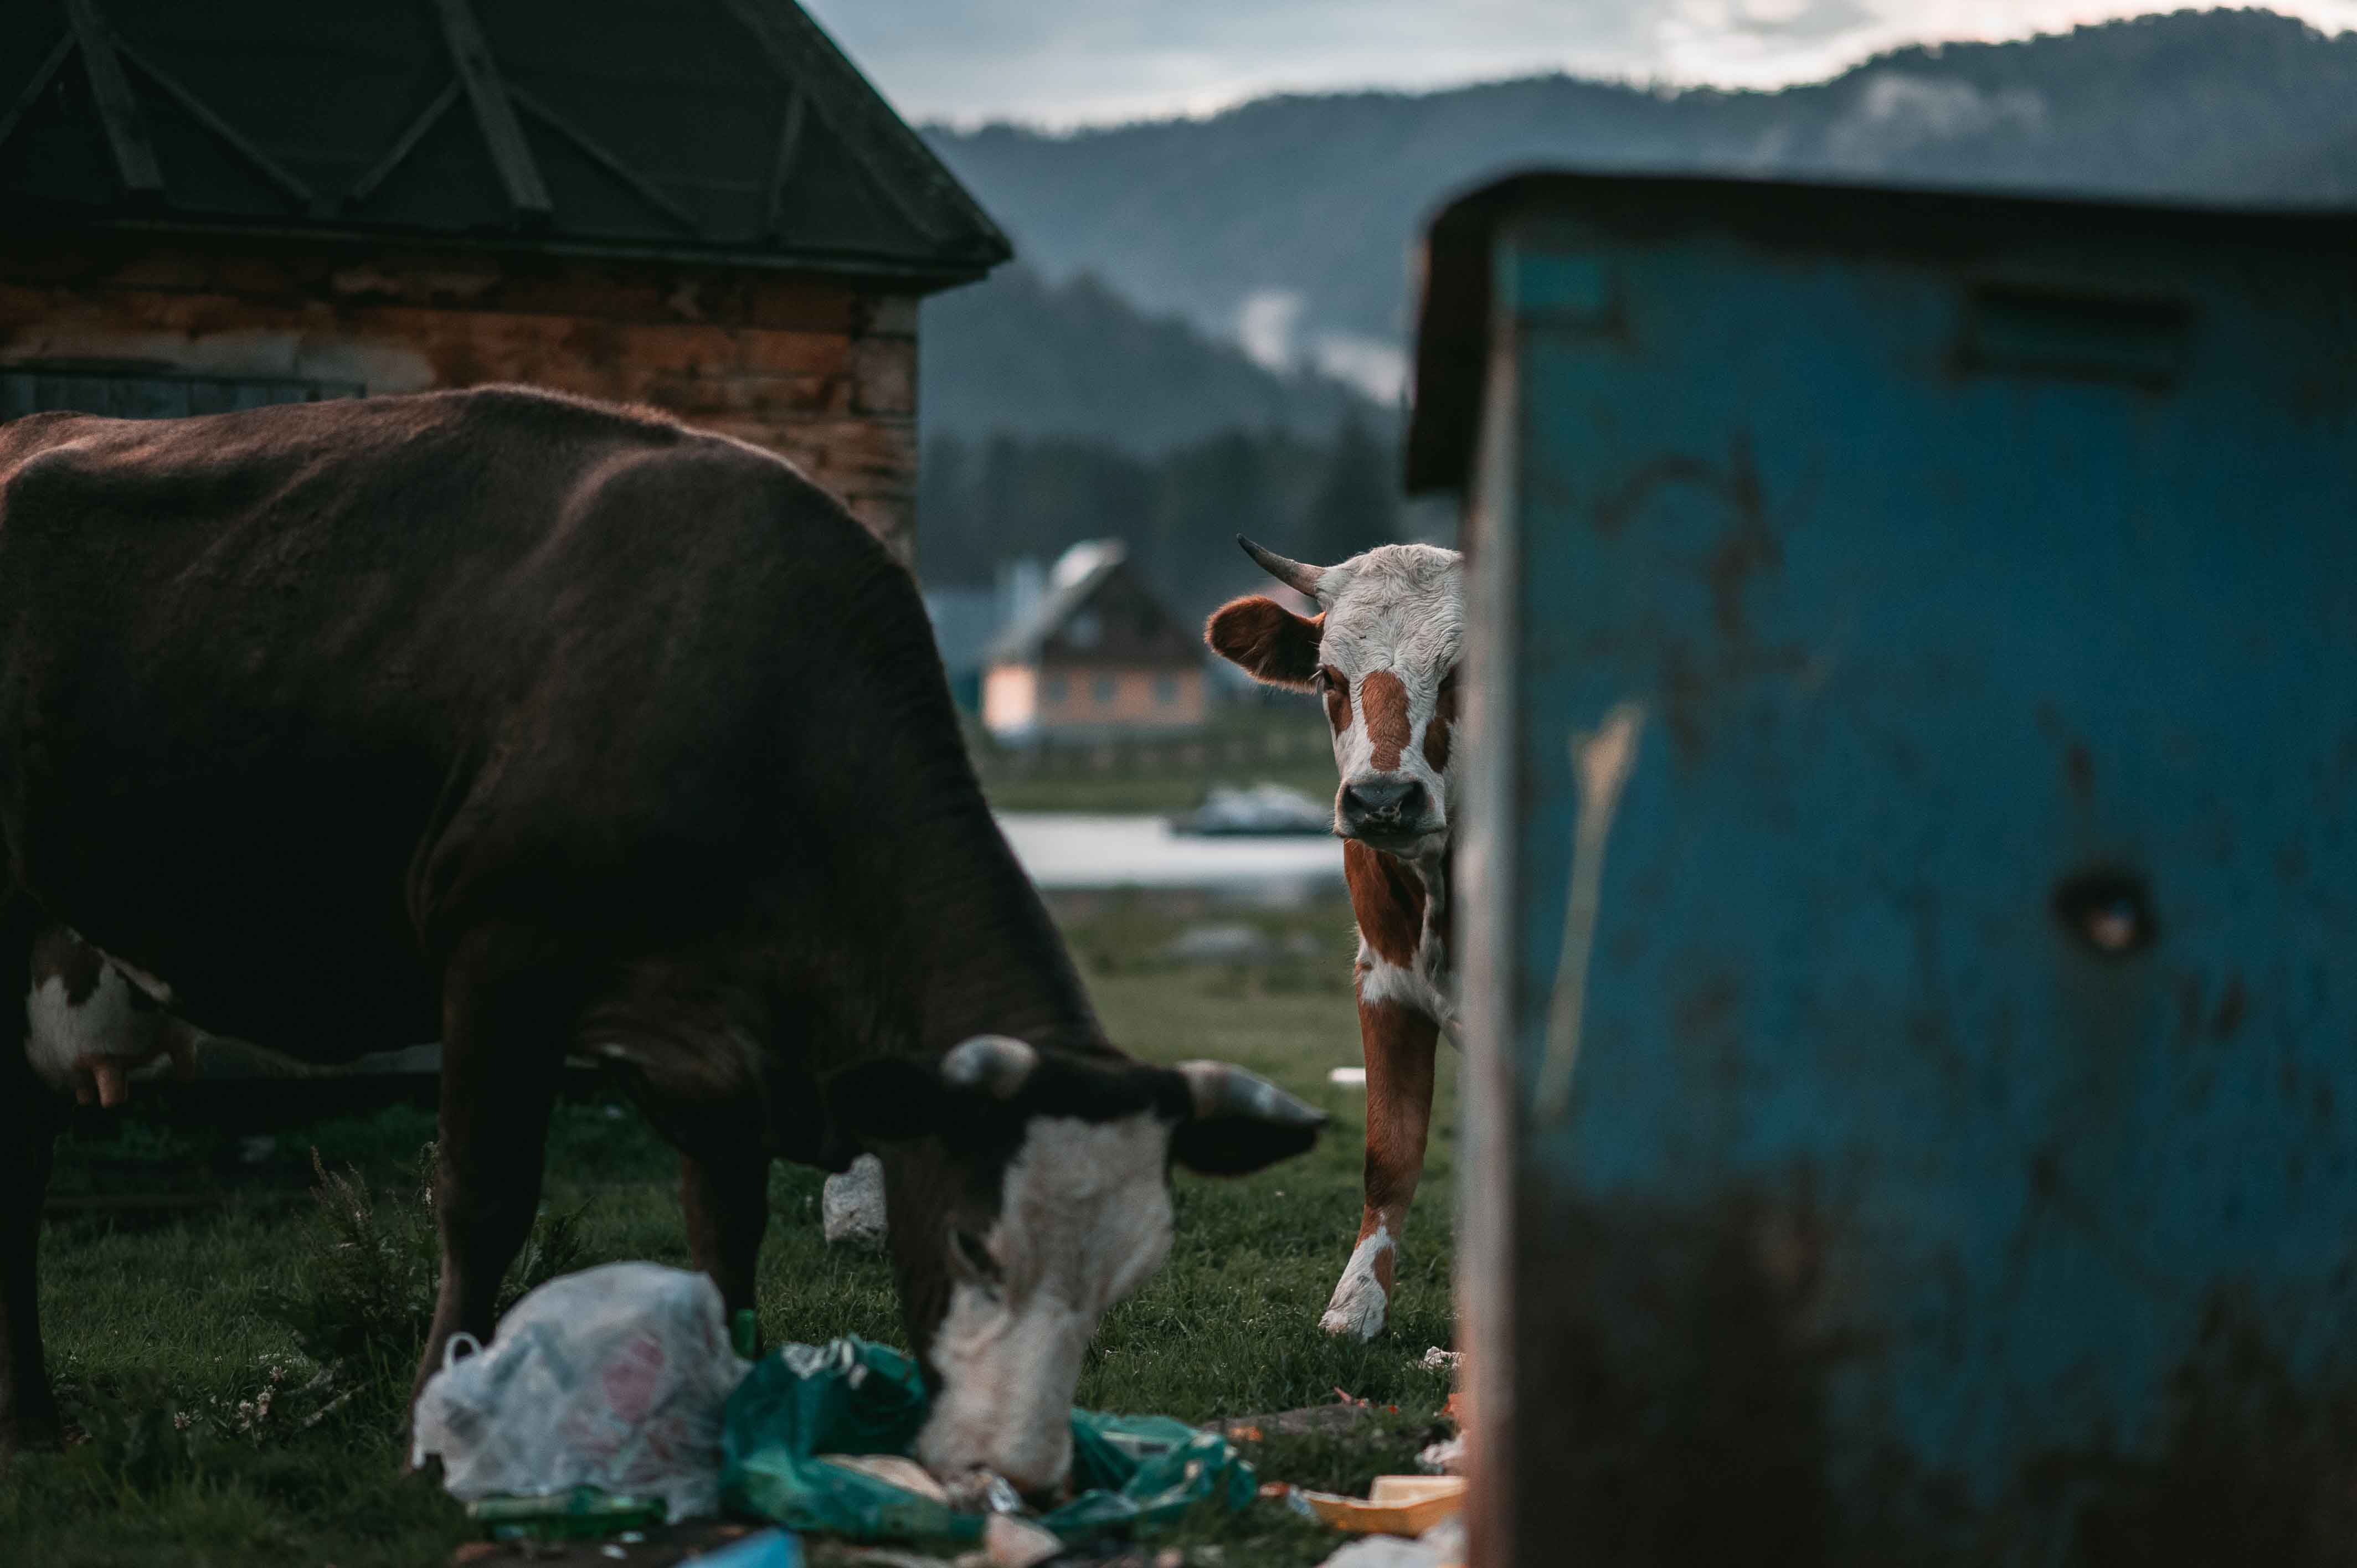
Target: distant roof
[1095, 609]
[725, 131]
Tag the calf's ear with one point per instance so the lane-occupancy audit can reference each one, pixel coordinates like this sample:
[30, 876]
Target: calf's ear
[1266, 641]
[1239, 1121]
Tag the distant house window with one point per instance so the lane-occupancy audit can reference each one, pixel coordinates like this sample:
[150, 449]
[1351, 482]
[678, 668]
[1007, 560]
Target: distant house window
[1101, 691]
[123, 392]
[1165, 691]
[1055, 688]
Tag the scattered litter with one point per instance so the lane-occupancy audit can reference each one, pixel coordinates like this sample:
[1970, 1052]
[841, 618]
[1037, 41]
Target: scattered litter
[609, 1550]
[1442, 1546]
[1013, 1542]
[612, 1379]
[1349, 1077]
[1317, 1420]
[763, 1549]
[1394, 1504]
[805, 1408]
[851, 1206]
[1437, 1360]
[1446, 1457]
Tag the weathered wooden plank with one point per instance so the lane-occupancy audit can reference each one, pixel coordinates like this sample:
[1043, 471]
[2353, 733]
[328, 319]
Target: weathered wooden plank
[495, 114]
[598, 153]
[270, 169]
[34, 88]
[404, 144]
[118, 106]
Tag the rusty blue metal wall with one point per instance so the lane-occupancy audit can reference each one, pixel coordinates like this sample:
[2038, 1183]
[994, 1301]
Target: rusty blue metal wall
[1939, 1143]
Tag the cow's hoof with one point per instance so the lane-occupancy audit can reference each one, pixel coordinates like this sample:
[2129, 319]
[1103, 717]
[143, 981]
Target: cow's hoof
[1360, 1301]
[852, 1205]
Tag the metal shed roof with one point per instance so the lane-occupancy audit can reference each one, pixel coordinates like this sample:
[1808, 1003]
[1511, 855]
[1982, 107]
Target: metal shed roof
[727, 131]
[1457, 315]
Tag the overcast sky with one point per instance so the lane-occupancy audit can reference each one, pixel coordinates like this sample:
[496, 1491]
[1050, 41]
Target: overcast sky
[1068, 62]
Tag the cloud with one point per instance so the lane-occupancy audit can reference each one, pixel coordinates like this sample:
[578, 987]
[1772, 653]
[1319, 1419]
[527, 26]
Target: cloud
[1264, 324]
[1068, 62]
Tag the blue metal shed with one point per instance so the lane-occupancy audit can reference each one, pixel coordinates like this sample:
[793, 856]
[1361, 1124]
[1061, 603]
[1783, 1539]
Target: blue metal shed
[1911, 886]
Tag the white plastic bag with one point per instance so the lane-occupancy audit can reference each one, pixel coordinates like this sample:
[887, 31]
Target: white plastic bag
[613, 1377]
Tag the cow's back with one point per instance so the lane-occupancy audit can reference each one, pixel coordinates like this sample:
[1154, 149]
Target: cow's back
[288, 689]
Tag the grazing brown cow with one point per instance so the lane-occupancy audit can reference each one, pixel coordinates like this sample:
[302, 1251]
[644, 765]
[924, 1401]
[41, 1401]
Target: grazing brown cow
[545, 726]
[1383, 652]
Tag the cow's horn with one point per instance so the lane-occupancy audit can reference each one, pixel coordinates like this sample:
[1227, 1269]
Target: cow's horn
[1220, 1090]
[1294, 575]
[995, 1063]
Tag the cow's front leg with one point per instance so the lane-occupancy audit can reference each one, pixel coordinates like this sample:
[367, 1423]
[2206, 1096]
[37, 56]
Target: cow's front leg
[28, 1409]
[507, 1012]
[1399, 1044]
[28, 1128]
[725, 1202]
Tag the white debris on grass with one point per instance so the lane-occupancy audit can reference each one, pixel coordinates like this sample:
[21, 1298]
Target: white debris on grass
[1349, 1077]
[1446, 1457]
[1437, 1360]
[852, 1205]
[1442, 1546]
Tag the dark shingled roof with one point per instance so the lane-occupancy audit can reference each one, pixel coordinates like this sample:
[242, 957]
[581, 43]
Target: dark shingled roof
[726, 130]
[1096, 612]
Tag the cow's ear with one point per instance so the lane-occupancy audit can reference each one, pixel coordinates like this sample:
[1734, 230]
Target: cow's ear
[1266, 640]
[890, 1099]
[1239, 1121]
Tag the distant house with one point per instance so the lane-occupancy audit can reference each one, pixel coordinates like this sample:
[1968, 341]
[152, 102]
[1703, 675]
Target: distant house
[699, 205]
[1096, 658]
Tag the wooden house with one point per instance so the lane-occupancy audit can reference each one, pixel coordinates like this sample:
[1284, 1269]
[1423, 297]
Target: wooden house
[1097, 657]
[699, 205]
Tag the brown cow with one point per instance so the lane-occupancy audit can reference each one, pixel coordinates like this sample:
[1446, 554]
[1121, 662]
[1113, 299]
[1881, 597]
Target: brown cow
[549, 726]
[1382, 653]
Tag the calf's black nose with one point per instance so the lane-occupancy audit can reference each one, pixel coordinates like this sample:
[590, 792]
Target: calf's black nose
[1383, 801]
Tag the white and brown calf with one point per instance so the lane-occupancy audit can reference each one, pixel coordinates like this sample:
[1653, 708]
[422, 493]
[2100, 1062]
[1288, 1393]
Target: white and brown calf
[92, 1021]
[1383, 652]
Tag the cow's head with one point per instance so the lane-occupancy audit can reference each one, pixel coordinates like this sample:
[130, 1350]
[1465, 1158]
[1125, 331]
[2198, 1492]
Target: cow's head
[1029, 1191]
[1383, 652]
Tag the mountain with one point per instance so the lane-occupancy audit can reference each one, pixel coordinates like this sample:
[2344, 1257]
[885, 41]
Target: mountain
[1287, 223]
[1016, 355]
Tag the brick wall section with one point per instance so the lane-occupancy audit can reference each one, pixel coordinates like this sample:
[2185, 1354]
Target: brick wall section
[823, 371]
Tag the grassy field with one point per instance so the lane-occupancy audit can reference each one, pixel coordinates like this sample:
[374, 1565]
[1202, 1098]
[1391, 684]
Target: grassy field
[213, 1438]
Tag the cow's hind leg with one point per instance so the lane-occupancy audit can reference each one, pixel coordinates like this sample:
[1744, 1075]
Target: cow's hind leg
[29, 1124]
[1399, 1045]
[508, 1010]
[724, 1200]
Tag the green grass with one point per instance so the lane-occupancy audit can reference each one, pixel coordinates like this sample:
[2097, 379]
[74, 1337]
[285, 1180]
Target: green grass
[189, 1317]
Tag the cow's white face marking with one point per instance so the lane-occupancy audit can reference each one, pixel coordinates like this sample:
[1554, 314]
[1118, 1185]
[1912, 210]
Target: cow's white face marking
[1394, 622]
[1084, 1219]
[1359, 1303]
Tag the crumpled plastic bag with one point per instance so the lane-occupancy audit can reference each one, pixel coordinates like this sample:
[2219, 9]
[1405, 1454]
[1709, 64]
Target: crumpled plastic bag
[615, 1378]
[852, 1397]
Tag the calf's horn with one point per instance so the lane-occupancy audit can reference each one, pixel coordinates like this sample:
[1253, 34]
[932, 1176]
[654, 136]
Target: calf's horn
[1294, 575]
[997, 1065]
[1220, 1090]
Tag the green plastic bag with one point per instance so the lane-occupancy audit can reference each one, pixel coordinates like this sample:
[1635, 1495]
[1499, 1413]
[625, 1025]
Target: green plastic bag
[849, 1396]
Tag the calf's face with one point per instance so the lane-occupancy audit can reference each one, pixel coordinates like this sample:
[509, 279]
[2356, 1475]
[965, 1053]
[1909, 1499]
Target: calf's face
[1049, 1202]
[1382, 653]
